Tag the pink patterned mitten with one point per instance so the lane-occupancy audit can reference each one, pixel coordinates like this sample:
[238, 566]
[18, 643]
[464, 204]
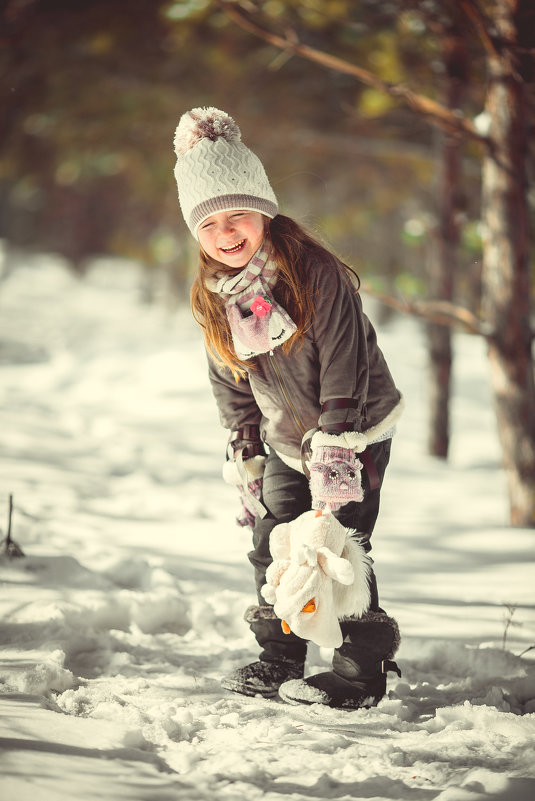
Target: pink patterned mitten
[248, 513]
[335, 477]
[248, 483]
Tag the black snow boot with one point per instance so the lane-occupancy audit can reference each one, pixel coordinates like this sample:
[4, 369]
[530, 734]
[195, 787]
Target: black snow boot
[360, 665]
[282, 658]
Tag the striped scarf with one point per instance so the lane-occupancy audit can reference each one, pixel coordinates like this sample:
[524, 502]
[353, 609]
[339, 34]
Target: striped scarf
[258, 323]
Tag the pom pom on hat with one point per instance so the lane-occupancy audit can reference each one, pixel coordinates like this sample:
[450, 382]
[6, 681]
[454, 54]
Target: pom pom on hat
[204, 123]
[215, 171]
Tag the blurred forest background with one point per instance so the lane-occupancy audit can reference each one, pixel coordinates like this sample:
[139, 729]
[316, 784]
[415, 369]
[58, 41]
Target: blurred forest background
[92, 91]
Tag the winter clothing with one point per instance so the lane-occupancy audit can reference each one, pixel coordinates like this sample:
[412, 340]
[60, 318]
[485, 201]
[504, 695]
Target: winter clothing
[215, 171]
[248, 485]
[284, 392]
[262, 678]
[360, 665]
[269, 325]
[350, 440]
[286, 495]
[319, 574]
[282, 657]
[327, 399]
[334, 477]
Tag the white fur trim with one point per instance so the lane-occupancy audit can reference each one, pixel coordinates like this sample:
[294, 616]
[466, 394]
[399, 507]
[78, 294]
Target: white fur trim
[359, 441]
[374, 433]
[354, 599]
[254, 466]
[230, 473]
[347, 439]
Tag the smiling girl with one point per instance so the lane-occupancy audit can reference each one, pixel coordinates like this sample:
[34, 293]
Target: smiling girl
[296, 372]
[232, 237]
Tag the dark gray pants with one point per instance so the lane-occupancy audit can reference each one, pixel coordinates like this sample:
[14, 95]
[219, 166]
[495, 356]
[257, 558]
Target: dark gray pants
[286, 495]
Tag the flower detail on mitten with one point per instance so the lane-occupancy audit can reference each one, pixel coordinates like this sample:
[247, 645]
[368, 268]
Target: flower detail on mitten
[335, 477]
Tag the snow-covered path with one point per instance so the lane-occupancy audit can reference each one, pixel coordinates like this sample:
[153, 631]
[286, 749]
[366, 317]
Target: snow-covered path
[127, 609]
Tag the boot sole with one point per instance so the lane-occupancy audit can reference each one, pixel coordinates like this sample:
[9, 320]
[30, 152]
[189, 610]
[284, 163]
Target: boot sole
[298, 693]
[251, 692]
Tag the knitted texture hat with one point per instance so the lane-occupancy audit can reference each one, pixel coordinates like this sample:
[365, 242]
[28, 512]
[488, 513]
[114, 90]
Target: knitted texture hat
[215, 171]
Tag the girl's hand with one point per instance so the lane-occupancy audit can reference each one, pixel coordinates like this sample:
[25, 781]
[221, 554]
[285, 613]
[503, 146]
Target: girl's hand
[248, 513]
[248, 488]
[335, 477]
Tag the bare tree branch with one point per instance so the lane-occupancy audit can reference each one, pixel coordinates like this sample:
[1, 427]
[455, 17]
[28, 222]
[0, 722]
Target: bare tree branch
[441, 312]
[451, 121]
[481, 24]
[496, 47]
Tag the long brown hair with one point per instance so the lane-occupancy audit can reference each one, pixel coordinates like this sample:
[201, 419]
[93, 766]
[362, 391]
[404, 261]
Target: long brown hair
[290, 248]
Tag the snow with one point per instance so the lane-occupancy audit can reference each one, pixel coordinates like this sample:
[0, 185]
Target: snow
[127, 608]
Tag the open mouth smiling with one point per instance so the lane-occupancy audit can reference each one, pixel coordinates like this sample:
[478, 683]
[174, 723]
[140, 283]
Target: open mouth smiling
[234, 248]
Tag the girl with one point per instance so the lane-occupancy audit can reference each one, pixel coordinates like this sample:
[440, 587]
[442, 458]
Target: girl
[295, 366]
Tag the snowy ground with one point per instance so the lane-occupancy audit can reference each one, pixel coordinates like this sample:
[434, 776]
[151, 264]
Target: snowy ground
[127, 609]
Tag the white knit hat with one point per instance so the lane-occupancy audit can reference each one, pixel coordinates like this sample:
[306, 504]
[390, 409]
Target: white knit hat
[215, 171]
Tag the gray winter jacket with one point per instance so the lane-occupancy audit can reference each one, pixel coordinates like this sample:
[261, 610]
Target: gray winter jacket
[339, 358]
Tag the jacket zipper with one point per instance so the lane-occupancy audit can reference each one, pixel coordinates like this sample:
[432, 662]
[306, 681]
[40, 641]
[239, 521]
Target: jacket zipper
[286, 394]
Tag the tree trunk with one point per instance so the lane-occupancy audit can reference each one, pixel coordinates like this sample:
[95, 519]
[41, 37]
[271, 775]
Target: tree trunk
[509, 42]
[443, 260]
[506, 280]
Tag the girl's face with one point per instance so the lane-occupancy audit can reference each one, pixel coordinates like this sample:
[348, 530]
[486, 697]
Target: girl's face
[232, 237]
